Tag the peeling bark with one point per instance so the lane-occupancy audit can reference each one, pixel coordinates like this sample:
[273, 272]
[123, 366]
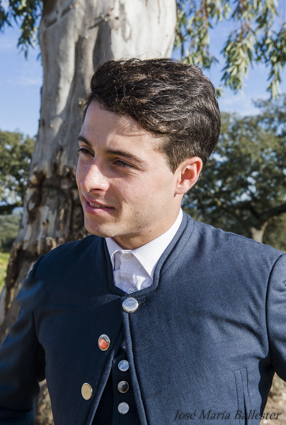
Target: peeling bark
[75, 37]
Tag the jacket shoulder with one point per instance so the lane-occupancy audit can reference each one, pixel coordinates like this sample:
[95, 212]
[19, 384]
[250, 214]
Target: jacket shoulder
[234, 251]
[233, 240]
[67, 253]
[60, 267]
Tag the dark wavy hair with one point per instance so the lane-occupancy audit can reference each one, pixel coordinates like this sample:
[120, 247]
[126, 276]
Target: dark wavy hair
[166, 97]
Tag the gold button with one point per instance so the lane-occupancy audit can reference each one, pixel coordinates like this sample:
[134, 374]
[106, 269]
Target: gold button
[130, 305]
[123, 365]
[86, 391]
[103, 342]
[123, 387]
[123, 408]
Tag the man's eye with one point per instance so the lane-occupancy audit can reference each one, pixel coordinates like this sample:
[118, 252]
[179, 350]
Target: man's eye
[122, 164]
[84, 151]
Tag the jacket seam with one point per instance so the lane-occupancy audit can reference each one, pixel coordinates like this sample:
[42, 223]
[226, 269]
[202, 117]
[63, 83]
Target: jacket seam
[174, 258]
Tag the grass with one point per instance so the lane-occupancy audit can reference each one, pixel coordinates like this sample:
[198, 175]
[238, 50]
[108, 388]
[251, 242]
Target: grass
[4, 258]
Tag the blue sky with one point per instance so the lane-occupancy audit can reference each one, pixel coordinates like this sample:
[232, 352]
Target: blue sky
[21, 79]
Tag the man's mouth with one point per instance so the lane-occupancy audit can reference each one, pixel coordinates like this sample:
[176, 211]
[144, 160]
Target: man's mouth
[97, 205]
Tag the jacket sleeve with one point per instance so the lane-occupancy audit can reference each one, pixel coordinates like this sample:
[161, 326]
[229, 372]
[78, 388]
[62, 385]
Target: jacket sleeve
[276, 315]
[22, 361]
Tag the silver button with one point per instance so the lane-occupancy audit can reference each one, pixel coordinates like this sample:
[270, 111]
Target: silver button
[123, 365]
[86, 391]
[130, 305]
[123, 408]
[123, 387]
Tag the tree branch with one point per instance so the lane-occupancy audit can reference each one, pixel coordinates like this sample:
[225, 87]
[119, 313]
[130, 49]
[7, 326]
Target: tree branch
[280, 209]
[8, 209]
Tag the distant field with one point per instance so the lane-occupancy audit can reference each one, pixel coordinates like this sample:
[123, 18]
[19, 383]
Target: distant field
[4, 258]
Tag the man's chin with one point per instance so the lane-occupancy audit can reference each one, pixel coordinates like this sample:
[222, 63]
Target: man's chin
[97, 232]
[100, 230]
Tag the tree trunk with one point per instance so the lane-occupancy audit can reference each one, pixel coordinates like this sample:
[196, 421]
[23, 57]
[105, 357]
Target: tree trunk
[75, 37]
[257, 233]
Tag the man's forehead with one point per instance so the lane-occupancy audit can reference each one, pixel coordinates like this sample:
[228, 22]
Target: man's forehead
[97, 118]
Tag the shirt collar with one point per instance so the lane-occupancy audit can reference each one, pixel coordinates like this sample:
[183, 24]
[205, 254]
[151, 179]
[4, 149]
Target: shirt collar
[148, 255]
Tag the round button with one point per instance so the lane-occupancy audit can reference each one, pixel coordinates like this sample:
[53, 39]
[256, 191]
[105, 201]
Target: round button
[103, 342]
[123, 365]
[123, 408]
[86, 391]
[130, 305]
[123, 387]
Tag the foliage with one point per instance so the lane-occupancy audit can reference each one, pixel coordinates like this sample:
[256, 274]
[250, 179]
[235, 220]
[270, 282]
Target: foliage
[26, 14]
[257, 36]
[242, 187]
[16, 153]
[4, 259]
[275, 232]
[9, 225]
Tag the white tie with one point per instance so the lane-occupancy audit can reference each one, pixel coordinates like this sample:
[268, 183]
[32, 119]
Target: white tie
[129, 274]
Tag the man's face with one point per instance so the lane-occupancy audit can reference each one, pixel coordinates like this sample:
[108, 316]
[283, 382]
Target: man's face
[126, 188]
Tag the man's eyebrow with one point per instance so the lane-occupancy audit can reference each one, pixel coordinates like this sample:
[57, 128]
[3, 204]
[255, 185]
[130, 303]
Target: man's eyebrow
[83, 139]
[125, 155]
[116, 152]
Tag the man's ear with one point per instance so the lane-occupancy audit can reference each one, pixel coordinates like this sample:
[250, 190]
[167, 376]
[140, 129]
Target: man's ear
[188, 173]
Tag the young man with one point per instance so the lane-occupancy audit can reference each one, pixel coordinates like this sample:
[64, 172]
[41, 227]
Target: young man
[154, 318]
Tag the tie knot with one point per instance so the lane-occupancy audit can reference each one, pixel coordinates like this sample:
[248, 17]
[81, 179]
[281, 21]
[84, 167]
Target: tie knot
[122, 257]
[129, 274]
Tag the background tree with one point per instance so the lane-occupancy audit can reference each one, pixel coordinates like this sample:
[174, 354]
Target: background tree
[242, 188]
[9, 225]
[258, 32]
[15, 159]
[275, 232]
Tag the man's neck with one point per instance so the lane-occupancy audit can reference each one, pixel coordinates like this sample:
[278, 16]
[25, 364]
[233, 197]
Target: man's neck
[148, 254]
[138, 241]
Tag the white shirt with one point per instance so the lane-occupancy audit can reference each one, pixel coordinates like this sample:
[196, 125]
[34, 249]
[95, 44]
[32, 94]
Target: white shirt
[133, 270]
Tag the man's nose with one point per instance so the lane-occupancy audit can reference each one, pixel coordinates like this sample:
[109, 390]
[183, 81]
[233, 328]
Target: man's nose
[93, 179]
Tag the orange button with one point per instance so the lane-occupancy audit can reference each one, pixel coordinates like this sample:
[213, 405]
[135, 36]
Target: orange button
[103, 342]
